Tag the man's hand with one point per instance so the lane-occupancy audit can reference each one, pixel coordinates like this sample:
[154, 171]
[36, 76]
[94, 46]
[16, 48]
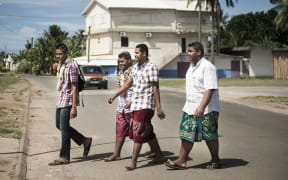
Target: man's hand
[160, 113]
[127, 106]
[199, 112]
[73, 112]
[110, 100]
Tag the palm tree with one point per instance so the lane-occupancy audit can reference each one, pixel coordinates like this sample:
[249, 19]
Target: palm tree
[76, 44]
[215, 10]
[53, 36]
[281, 20]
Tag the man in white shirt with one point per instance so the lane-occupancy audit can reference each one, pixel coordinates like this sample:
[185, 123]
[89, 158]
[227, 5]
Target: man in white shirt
[201, 109]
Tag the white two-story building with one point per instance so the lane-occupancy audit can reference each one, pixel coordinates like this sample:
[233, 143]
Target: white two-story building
[166, 26]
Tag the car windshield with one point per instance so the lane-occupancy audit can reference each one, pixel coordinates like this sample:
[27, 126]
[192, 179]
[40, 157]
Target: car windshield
[92, 70]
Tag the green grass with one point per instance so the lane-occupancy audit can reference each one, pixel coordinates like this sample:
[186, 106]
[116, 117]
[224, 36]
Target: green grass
[180, 83]
[253, 82]
[276, 101]
[5, 81]
[270, 99]
[8, 127]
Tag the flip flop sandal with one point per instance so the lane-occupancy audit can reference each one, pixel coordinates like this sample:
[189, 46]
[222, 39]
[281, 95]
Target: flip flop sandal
[58, 162]
[87, 148]
[173, 165]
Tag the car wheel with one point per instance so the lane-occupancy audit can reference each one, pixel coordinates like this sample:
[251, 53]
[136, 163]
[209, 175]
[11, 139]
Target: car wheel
[105, 86]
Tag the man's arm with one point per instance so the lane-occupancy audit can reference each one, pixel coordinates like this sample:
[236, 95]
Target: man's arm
[123, 88]
[160, 112]
[73, 112]
[205, 101]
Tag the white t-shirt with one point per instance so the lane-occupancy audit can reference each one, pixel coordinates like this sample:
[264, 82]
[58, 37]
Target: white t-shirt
[200, 78]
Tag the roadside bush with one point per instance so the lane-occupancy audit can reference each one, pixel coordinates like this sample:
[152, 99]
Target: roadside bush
[24, 67]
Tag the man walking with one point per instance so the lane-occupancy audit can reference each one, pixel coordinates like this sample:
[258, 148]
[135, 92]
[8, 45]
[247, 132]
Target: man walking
[146, 96]
[67, 106]
[201, 109]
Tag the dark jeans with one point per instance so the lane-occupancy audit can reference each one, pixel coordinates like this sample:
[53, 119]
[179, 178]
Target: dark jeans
[67, 132]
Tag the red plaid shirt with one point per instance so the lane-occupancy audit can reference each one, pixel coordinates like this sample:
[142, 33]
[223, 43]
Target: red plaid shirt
[70, 76]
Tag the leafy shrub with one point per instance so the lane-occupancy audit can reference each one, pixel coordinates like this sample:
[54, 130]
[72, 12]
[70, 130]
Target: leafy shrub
[24, 67]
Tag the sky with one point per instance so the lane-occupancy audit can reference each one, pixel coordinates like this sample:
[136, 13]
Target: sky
[20, 20]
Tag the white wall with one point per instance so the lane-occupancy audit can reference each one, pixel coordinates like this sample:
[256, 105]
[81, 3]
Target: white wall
[100, 44]
[261, 62]
[141, 19]
[98, 18]
[165, 43]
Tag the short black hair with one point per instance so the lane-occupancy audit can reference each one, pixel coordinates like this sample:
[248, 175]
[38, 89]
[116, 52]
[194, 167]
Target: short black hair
[143, 48]
[125, 54]
[198, 47]
[62, 47]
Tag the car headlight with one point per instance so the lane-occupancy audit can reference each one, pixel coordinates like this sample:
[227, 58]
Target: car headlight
[105, 78]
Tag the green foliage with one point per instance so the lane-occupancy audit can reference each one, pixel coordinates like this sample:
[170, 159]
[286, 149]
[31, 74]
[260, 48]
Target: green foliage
[41, 52]
[253, 29]
[5, 81]
[24, 67]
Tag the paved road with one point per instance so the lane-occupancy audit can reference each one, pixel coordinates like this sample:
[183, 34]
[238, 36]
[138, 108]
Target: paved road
[253, 142]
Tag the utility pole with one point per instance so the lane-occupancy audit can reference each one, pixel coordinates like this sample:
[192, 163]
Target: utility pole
[89, 29]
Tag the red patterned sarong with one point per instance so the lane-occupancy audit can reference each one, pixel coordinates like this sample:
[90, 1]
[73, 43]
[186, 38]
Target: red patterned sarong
[141, 130]
[123, 123]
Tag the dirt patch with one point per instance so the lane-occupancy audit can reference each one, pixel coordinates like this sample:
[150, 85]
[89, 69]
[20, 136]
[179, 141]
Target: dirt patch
[13, 103]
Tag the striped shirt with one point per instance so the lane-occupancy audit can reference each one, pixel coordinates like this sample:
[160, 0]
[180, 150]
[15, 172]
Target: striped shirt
[143, 76]
[70, 76]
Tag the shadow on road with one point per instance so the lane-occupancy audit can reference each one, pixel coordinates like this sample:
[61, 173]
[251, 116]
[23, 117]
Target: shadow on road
[225, 163]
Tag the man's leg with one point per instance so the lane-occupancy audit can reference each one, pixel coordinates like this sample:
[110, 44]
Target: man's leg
[65, 133]
[61, 124]
[80, 139]
[185, 149]
[180, 162]
[211, 137]
[77, 137]
[117, 151]
[213, 147]
[156, 152]
[122, 130]
[136, 150]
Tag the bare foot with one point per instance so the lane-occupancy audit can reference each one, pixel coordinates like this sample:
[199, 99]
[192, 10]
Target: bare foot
[112, 158]
[130, 167]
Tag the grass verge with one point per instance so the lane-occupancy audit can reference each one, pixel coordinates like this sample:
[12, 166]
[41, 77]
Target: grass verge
[246, 82]
[277, 101]
[7, 80]
[9, 127]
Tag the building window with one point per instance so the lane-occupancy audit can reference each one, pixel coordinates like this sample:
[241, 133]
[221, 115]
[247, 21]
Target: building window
[183, 45]
[124, 42]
